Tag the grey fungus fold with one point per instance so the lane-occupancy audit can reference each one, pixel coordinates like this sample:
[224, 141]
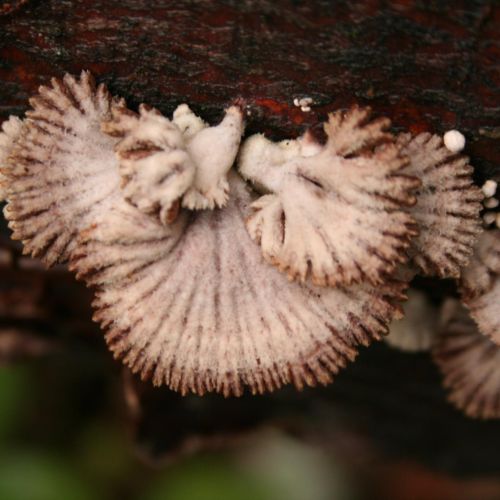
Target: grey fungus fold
[210, 278]
[417, 330]
[480, 285]
[469, 363]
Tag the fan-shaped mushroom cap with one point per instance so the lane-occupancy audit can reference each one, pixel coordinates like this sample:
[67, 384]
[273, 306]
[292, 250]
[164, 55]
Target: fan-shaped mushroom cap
[334, 213]
[417, 330]
[469, 362]
[194, 306]
[9, 134]
[62, 170]
[447, 208]
[480, 285]
[155, 167]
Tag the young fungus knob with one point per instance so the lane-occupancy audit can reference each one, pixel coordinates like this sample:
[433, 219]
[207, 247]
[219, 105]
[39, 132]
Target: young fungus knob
[480, 285]
[469, 362]
[332, 213]
[454, 141]
[447, 208]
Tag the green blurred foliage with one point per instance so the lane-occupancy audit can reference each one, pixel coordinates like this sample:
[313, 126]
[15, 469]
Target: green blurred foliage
[14, 389]
[104, 453]
[40, 476]
[66, 438]
[208, 478]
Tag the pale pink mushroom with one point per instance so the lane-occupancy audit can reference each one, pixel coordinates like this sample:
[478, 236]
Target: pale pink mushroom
[185, 296]
[334, 214]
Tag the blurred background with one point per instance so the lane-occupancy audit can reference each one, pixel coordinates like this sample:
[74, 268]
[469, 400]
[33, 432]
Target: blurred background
[75, 425]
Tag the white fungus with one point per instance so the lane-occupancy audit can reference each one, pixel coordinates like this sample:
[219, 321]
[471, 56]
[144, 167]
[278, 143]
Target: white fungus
[489, 188]
[354, 179]
[191, 303]
[304, 103]
[454, 141]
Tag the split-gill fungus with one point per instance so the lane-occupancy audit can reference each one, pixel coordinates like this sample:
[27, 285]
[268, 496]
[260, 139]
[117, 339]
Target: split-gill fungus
[210, 277]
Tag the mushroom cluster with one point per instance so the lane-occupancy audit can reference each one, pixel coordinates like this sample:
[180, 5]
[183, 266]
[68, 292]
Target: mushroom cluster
[223, 267]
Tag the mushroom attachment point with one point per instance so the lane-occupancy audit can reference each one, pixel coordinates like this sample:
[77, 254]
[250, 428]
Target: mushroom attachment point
[333, 214]
[469, 362]
[447, 208]
[213, 151]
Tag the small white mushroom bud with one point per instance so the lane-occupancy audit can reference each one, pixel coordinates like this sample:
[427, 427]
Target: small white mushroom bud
[489, 188]
[489, 218]
[454, 141]
[491, 203]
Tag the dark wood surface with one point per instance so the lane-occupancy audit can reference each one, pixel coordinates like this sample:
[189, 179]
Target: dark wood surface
[427, 65]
